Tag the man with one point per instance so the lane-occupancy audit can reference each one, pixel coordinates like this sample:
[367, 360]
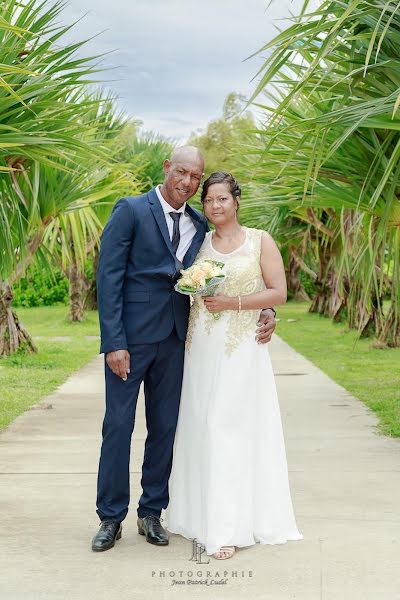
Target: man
[143, 322]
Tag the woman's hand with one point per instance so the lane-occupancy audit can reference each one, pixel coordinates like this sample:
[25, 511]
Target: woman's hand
[220, 302]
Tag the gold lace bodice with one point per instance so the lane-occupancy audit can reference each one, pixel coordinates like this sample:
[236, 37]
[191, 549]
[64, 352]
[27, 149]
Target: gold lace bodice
[243, 277]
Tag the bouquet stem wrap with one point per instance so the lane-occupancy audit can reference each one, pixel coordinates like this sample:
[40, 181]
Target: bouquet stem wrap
[202, 279]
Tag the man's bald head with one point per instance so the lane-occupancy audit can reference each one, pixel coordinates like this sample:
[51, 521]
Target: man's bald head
[183, 174]
[190, 153]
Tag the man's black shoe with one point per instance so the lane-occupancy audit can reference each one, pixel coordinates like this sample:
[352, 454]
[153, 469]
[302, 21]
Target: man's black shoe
[105, 538]
[151, 527]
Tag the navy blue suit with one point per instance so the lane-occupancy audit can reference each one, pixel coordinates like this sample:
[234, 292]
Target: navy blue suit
[140, 311]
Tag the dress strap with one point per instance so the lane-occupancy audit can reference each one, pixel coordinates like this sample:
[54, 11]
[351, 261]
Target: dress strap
[256, 235]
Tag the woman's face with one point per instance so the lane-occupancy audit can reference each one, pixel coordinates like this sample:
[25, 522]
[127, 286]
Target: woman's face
[219, 204]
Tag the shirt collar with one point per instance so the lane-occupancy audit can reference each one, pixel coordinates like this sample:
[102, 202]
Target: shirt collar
[167, 208]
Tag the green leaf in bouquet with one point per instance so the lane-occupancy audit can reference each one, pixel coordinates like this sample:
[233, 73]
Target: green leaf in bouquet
[191, 290]
[215, 262]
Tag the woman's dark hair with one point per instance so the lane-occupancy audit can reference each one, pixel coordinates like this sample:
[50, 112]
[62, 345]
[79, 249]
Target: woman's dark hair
[221, 177]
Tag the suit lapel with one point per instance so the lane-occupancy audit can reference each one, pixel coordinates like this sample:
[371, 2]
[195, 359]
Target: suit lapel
[197, 239]
[159, 216]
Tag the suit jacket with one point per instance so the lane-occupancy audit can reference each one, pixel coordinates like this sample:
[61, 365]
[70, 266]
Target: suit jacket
[137, 272]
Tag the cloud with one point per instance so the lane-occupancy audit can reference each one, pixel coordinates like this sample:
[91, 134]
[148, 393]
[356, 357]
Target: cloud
[174, 61]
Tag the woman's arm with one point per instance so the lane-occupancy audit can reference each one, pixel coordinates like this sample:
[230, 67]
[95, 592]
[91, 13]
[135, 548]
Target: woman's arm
[273, 273]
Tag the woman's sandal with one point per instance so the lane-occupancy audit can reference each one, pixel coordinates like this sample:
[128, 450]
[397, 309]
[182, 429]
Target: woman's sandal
[229, 551]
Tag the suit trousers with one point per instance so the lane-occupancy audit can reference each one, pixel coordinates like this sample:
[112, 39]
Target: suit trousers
[160, 367]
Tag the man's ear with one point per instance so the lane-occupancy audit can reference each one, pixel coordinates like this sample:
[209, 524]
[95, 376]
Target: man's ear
[167, 165]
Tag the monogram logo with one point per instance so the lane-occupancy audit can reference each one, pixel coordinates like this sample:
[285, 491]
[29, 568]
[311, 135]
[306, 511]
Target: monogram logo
[197, 553]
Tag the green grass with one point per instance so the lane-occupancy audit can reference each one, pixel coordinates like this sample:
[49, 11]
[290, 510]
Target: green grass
[370, 374]
[26, 378]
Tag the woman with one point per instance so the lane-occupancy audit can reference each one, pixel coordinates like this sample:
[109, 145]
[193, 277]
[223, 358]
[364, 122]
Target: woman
[229, 482]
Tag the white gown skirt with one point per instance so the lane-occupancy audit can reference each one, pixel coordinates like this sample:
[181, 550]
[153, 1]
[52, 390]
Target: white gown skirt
[229, 480]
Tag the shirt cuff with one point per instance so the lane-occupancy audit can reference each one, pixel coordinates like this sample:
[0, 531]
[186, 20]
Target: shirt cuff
[270, 308]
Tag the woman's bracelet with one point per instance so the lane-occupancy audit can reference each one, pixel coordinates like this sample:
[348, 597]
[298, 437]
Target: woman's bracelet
[240, 304]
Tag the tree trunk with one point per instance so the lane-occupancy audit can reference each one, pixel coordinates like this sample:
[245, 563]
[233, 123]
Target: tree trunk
[320, 302]
[390, 332]
[78, 288]
[389, 328]
[13, 335]
[91, 298]
[369, 325]
[295, 287]
[364, 313]
[339, 289]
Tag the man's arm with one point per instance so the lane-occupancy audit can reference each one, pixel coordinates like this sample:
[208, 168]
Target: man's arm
[116, 241]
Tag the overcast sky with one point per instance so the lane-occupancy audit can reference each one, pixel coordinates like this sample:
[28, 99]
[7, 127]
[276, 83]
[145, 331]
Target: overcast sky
[176, 60]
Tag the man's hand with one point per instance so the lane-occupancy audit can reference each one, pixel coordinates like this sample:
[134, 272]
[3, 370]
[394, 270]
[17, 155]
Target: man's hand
[119, 362]
[267, 324]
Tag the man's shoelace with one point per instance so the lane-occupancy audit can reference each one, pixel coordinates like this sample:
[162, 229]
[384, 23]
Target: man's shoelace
[153, 518]
[108, 525]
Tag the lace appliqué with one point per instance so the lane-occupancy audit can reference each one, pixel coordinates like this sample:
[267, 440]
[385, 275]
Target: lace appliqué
[193, 316]
[244, 280]
[244, 277]
[208, 320]
[197, 306]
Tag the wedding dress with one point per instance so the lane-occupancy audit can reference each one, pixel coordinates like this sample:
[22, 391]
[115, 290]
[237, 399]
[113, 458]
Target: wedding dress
[229, 481]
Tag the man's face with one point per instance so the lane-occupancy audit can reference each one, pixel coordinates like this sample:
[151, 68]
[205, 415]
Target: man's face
[182, 179]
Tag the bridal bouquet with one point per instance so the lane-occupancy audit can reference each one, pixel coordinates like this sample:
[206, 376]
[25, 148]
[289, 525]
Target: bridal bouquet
[201, 279]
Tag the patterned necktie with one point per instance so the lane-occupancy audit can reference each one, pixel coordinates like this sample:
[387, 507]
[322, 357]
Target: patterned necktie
[176, 236]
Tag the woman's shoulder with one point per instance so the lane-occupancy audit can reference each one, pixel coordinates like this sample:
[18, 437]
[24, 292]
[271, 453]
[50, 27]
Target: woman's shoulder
[256, 238]
[206, 241]
[258, 233]
[255, 233]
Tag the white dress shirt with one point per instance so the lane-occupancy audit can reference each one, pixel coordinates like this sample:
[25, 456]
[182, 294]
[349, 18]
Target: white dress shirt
[186, 228]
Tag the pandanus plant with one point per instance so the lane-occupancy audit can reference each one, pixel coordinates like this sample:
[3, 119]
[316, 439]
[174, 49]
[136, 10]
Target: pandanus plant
[331, 151]
[51, 158]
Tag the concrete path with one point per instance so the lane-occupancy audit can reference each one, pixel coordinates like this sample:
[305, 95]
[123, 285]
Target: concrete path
[345, 489]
